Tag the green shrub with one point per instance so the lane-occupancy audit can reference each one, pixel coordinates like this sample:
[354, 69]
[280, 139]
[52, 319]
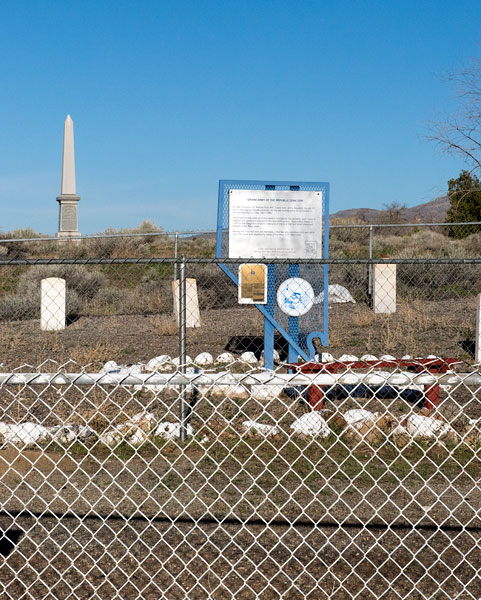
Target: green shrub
[110, 301]
[84, 282]
[24, 306]
[19, 308]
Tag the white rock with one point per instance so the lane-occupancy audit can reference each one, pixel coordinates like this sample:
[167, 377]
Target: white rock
[261, 428]
[135, 431]
[25, 434]
[368, 357]
[110, 367]
[248, 358]
[130, 370]
[228, 391]
[143, 420]
[348, 358]
[203, 359]
[171, 431]
[159, 363]
[312, 424]
[399, 430]
[84, 432]
[138, 437]
[407, 357]
[66, 434]
[388, 357]
[275, 354]
[356, 417]
[265, 392]
[378, 377]
[326, 357]
[336, 294]
[151, 388]
[225, 358]
[111, 437]
[176, 360]
[420, 426]
[63, 434]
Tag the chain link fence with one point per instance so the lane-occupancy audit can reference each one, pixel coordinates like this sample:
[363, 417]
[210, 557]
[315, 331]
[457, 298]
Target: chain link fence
[175, 481]
[146, 452]
[123, 309]
[347, 240]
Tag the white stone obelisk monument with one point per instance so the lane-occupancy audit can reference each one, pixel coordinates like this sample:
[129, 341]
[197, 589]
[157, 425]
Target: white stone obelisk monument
[68, 221]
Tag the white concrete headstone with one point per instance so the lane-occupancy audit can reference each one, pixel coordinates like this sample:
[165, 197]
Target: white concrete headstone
[384, 289]
[53, 304]
[192, 313]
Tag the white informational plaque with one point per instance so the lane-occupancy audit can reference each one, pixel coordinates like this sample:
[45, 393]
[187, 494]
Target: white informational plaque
[275, 224]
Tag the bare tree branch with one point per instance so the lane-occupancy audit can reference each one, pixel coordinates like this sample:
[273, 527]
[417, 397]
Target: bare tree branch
[461, 134]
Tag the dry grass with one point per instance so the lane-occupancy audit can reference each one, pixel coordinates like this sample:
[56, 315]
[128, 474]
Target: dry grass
[166, 325]
[402, 243]
[418, 328]
[94, 355]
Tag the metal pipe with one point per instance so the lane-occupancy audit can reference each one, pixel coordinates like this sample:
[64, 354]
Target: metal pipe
[369, 285]
[182, 351]
[210, 231]
[397, 378]
[236, 261]
[176, 247]
[363, 225]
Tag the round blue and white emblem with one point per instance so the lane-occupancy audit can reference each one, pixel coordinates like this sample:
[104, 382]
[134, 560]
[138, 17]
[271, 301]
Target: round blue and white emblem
[295, 296]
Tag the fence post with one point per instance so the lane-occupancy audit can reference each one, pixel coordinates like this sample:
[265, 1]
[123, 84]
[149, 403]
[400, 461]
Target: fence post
[176, 248]
[182, 350]
[369, 283]
[477, 346]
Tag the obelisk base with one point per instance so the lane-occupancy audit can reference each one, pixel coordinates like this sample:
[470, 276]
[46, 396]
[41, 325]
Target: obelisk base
[68, 221]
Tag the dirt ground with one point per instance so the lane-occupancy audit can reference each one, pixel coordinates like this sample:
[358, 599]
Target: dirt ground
[418, 328]
[177, 560]
[107, 527]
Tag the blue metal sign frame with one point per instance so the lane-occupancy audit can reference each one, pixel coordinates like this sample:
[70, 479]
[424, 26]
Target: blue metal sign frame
[299, 345]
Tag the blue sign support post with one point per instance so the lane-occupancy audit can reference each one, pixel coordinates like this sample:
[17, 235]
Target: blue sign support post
[293, 321]
[298, 328]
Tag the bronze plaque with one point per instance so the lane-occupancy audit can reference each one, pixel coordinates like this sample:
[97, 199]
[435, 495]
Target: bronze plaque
[252, 284]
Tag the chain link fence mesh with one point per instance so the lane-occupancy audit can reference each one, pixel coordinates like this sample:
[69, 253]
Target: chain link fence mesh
[123, 309]
[374, 496]
[127, 474]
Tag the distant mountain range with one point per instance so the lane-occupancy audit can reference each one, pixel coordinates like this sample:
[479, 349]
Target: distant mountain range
[433, 211]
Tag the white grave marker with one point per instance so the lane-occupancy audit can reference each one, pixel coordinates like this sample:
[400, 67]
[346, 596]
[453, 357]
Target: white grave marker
[53, 305]
[192, 313]
[384, 289]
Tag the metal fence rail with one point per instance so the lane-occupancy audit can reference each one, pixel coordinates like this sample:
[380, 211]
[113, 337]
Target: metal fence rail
[368, 240]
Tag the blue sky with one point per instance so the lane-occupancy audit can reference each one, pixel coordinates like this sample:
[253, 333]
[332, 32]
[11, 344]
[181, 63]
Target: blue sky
[168, 97]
